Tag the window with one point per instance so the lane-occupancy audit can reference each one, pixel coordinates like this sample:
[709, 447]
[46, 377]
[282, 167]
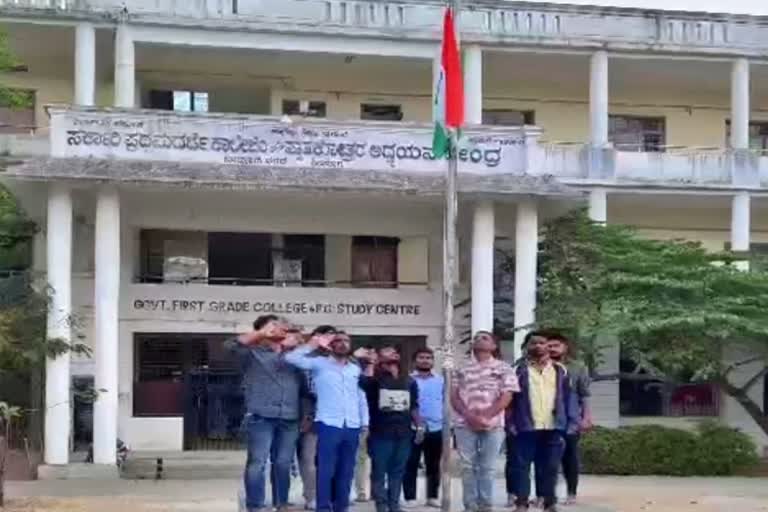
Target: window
[15, 118]
[240, 258]
[245, 259]
[758, 135]
[376, 112]
[634, 133]
[374, 261]
[310, 251]
[179, 101]
[176, 256]
[502, 117]
[304, 108]
[641, 395]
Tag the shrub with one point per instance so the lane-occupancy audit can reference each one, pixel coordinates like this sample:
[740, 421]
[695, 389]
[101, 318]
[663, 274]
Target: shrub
[712, 449]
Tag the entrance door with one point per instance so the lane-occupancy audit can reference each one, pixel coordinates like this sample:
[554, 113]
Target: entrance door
[407, 345]
[194, 377]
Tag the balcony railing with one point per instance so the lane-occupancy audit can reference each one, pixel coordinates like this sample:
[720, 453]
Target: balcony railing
[486, 20]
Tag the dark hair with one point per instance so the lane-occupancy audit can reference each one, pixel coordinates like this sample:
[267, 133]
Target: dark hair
[264, 320]
[423, 350]
[532, 334]
[556, 336]
[386, 346]
[324, 329]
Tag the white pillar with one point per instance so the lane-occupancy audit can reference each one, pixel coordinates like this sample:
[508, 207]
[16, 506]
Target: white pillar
[740, 104]
[106, 302]
[483, 237]
[526, 253]
[473, 85]
[598, 99]
[740, 222]
[57, 371]
[85, 64]
[598, 205]
[125, 68]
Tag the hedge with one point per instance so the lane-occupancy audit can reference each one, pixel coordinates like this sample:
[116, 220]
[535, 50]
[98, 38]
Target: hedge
[711, 450]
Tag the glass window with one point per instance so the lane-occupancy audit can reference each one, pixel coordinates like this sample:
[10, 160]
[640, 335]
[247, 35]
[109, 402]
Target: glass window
[634, 133]
[304, 108]
[376, 112]
[374, 261]
[505, 117]
[179, 101]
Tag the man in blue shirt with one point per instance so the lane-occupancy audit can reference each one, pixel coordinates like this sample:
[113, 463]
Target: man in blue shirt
[429, 441]
[341, 412]
[272, 397]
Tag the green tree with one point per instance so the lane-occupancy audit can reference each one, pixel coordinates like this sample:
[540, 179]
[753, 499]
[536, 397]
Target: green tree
[676, 308]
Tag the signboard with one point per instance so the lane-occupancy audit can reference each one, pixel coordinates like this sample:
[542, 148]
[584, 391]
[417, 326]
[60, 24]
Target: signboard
[266, 142]
[150, 305]
[202, 304]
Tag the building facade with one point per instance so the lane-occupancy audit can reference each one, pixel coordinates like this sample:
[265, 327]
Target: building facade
[196, 164]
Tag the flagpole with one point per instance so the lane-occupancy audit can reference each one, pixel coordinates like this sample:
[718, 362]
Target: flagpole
[449, 274]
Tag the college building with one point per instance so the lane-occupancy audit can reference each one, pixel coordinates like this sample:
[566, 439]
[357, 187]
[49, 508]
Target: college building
[195, 164]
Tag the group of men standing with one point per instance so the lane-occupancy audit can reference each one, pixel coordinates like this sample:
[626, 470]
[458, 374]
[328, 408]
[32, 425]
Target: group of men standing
[314, 395]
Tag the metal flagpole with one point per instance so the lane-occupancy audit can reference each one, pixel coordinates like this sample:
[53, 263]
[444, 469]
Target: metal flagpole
[449, 274]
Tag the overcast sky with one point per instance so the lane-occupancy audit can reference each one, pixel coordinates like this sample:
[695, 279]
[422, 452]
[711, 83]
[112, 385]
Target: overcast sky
[731, 6]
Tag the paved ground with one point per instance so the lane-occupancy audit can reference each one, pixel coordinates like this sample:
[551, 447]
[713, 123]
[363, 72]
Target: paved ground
[600, 494]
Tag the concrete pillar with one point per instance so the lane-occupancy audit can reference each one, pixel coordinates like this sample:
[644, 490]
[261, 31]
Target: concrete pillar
[106, 305]
[740, 222]
[483, 236]
[598, 205]
[740, 104]
[125, 68]
[85, 64]
[473, 85]
[526, 253]
[598, 99]
[58, 421]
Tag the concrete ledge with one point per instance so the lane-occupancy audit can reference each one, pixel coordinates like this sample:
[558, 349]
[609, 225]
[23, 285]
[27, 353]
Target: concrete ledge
[78, 471]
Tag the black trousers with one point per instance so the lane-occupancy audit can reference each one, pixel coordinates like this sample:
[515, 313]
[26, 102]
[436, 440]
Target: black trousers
[571, 463]
[432, 448]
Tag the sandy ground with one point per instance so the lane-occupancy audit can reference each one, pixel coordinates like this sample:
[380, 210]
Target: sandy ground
[600, 494]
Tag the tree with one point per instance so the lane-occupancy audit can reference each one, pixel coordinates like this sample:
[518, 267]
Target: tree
[677, 309]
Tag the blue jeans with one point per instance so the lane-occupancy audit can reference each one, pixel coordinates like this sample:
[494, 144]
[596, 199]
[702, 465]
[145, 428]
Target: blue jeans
[544, 448]
[478, 452]
[269, 437]
[389, 458]
[336, 449]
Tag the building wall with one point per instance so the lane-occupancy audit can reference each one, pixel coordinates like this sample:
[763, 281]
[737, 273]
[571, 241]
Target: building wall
[418, 224]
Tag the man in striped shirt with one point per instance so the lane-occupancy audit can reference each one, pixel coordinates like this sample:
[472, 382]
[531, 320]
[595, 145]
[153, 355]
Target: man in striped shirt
[481, 393]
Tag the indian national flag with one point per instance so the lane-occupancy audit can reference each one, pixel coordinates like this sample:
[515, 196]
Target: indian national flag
[449, 90]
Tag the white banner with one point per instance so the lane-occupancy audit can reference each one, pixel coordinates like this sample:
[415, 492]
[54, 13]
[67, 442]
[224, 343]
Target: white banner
[262, 142]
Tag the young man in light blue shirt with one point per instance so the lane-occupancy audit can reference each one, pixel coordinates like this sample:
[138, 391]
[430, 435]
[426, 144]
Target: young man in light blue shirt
[430, 440]
[341, 413]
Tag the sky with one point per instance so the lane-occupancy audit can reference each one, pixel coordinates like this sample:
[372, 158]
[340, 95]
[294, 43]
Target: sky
[731, 6]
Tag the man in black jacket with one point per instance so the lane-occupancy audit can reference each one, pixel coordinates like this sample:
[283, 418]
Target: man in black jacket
[393, 403]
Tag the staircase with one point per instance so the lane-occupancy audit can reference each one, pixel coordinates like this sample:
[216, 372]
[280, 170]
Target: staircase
[191, 465]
